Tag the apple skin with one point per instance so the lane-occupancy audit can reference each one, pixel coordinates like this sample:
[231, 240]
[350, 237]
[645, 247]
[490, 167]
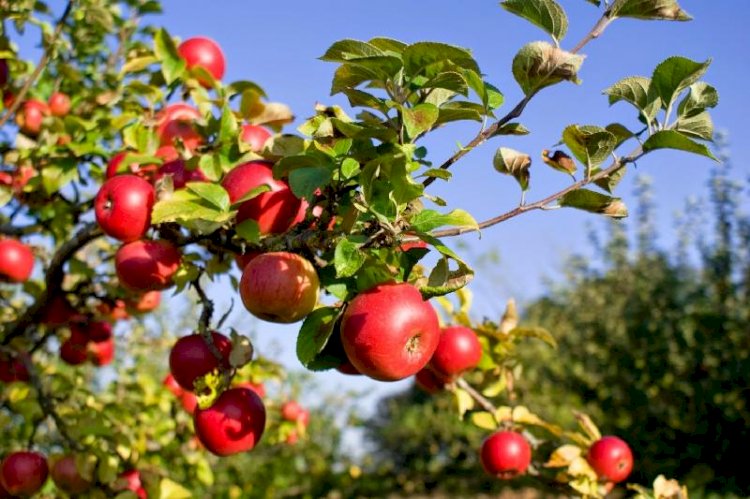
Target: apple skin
[611, 458]
[13, 368]
[4, 73]
[144, 303]
[389, 332]
[429, 381]
[204, 52]
[123, 207]
[114, 310]
[458, 351]
[189, 402]
[101, 353]
[505, 454]
[16, 261]
[276, 211]
[66, 476]
[256, 387]
[30, 117]
[146, 265]
[255, 136]
[234, 423]
[131, 480]
[290, 411]
[59, 104]
[97, 330]
[245, 258]
[180, 174]
[74, 350]
[171, 384]
[24, 473]
[191, 358]
[176, 121]
[57, 312]
[279, 287]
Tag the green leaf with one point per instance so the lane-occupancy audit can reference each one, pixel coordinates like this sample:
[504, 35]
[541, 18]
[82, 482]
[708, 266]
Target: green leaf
[672, 139]
[448, 80]
[184, 205]
[346, 50]
[249, 230]
[172, 65]
[172, 490]
[633, 89]
[315, 332]
[304, 181]
[701, 97]
[539, 64]
[464, 402]
[594, 202]
[442, 280]
[547, 14]
[252, 193]
[419, 119]
[350, 76]
[138, 63]
[674, 75]
[427, 220]
[591, 145]
[512, 129]
[611, 181]
[699, 126]
[484, 420]
[458, 111]
[349, 168]
[228, 126]
[649, 9]
[511, 162]
[358, 98]
[214, 194]
[620, 132]
[534, 332]
[348, 258]
[429, 58]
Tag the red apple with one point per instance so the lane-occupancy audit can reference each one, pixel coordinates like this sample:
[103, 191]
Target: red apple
[13, 368]
[4, 73]
[145, 302]
[276, 211]
[8, 98]
[176, 121]
[16, 261]
[505, 454]
[177, 169]
[59, 104]
[123, 207]
[234, 423]
[290, 411]
[131, 480]
[256, 387]
[279, 287]
[255, 136]
[304, 417]
[292, 438]
[101, 353]
[113, 311]
[171, 384]
[146, 265]
[189, 402]
[429, 381]
[347, 367]
[611, 458]
[66, 476]
[203, 52]
[57, 312]
[243, 259]
[74, 350]
[24, 473]
[96, 330]
[191, 358]
[389, 332]
[30, 116]
[458, 350]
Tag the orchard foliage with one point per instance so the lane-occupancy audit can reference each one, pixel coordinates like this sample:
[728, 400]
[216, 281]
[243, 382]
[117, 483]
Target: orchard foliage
[114, 103]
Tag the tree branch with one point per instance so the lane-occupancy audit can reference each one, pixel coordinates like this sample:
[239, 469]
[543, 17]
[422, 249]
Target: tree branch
[40, 66]
[478, 397]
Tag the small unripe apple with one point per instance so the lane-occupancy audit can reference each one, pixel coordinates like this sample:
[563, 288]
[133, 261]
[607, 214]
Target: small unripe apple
[191, 358]
[177, 169]
[13, 368]
[255, 136]
[66, 476]
[101, 353]
[505, 454]
[143, 303]
[16, 261]
[204, 52]
[234, 423]
[123, 207]
[389, 332]
[611, 458]
[30, 117]
[146, 265]
[276, 211]
[279, 287]
[24, 473]
[458, 350]
[59, 104]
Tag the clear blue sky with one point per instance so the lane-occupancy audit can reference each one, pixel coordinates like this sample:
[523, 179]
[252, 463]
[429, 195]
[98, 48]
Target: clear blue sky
[276, 44]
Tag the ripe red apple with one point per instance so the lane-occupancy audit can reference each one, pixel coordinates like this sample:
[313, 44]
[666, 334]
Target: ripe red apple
[59, 104]
[304, 417]
[243, 259]
[290, 411]
[256, 387]
[279, 287]
[131, 480]
[347, 367]
[113, 311]
[177, 169]
[429, 381]
[505, 454]
[189, 402]
[203, 52]
[171, 384]
[147, 265]
[611, 458]
[276, 211]
[24, 473]
[13, 368]
[123, 207]
[145, 302]
[458, 350]
[58, 311]
[255, 136]
[101, 353]
[4, 73]
[292, 438]
[74, 350]
[96, 330]
[191, 357]
[16, 261]
[66, 476]
[234, 423]
[176, 121]
[389, 332]
[30, 116]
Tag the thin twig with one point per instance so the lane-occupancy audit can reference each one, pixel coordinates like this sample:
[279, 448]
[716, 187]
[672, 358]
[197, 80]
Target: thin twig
[39, 68]
[204, 323]
[478, 397]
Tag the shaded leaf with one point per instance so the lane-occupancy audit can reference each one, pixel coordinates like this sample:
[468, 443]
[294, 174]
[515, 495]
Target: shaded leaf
[699, 126]
[594, 202]
[315, 332]
[419, 119]
[512, 162]
[591, 145]
[668, 10]
[547, 14]
[700, 97]
[539, 64]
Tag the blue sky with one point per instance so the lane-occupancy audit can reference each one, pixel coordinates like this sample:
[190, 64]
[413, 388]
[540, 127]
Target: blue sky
[276, 44]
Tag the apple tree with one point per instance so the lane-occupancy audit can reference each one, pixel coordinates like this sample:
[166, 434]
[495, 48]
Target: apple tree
[130, 168]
